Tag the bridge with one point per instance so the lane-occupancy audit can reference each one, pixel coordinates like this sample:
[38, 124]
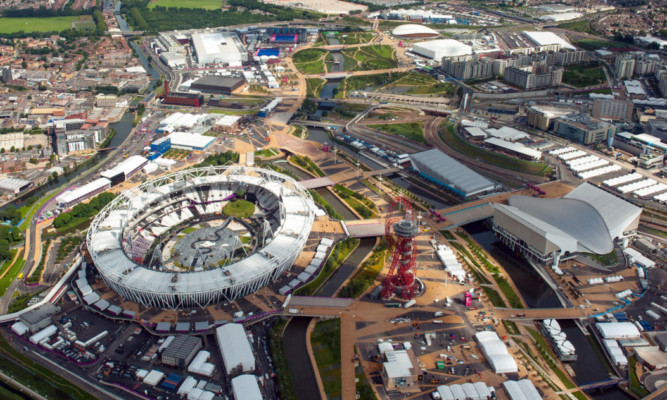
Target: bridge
[607, 383]
[132, 33]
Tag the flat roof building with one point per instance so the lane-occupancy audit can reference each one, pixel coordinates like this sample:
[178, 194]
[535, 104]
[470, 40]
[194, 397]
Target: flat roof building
[217, 84]
[190, 141]
[40, 317]
[245, 387]
[82, 193]
[437, 49]
[15, 185]
[583, 129]
[440, 168]
[401, 371]
[181, 351]
[219, 48]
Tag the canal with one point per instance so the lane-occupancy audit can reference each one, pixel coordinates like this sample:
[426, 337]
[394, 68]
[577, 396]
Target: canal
[535, 292]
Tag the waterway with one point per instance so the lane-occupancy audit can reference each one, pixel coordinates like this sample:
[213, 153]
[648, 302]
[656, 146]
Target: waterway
[328, 89]
[296, 353]
[535, 292]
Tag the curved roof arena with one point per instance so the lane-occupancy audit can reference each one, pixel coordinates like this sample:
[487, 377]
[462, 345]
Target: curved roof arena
[414, 30]
[587, 219]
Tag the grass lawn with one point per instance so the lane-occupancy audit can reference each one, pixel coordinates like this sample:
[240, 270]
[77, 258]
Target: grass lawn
[189, 230]
[314, 86]
[508, 291]
[239, 209]
[595, 44]
[270, 152]
[205, 4]
[635, 386]
[8, 262]
[308, 55]
[410, 130]
[11, 25]
[314, 67]
[494, 297]
[584, 75]
[608, 259]
[510, 326]
[325, 340]
[11, 275]
[577, 26]
[459, 144]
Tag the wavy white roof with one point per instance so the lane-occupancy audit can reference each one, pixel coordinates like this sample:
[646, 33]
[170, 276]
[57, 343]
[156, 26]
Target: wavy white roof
[414, 29]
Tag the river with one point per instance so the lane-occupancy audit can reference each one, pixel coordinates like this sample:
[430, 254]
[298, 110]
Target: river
[535, 292]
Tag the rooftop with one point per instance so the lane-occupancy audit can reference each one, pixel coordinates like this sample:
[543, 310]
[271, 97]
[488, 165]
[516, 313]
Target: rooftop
[441, 167]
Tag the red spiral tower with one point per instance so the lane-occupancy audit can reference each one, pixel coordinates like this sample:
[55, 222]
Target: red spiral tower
[401, 227]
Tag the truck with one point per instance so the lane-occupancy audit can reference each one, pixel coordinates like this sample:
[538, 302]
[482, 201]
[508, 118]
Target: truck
[293, 311]
[410, 303]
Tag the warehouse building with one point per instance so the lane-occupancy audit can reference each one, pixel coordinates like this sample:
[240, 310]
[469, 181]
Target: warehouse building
[587, 219]
[219, 48]
[217, 84]
[40, 317]
[443, 170]
[82, 193]
[401, 372]
[190, 141]
[237, 355]
[15, 186]
[181, 351]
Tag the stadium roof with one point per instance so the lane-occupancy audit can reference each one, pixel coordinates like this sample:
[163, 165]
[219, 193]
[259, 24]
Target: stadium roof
[585, 220]
[414, 30]
[543, 38]
[437, 49]
[449, 172]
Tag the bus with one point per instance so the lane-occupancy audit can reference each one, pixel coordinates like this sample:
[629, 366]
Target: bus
[392, 305]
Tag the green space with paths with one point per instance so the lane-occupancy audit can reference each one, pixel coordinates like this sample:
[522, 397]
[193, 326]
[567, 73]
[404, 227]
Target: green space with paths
[367, 274]
[205, 4]
[338, 254]
[409, 130]
[239, 208]
[306, 163]
[314, 86]
[348, 38]
[548, 355]
[325, 340]
[584, 75]
[56, 24]
[459, 144]
[508, 291]
[494, 297]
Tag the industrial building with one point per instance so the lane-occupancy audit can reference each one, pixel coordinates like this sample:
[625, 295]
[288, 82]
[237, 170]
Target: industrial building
[124, 170]
[15, 186]
[443, 170]
[413, 31]
[217, 84]
[437, 49]
[190, 141]
[181, 351]
[222, 48]
[82, 193]
[613, 109]
[587, 219]
[581, 128]
[237, 355]
[122, 234]
[401, 372]
[39, 318]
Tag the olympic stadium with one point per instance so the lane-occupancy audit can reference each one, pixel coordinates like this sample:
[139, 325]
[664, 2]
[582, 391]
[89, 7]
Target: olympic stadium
[128, 238]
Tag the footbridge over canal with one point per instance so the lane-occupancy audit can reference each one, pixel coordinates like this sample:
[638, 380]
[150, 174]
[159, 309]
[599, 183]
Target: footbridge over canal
[307, 306]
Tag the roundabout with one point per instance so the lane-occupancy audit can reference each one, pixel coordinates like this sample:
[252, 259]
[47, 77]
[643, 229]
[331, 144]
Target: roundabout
[198, 237]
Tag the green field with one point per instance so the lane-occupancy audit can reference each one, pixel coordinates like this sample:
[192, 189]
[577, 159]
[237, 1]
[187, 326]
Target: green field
[410, 130]
[57, 24]
[239, 209]
[456, 142]
[584, 75]
[205, 4]
[577, 26]
[325, 340]
[314, 86]
[594, 44]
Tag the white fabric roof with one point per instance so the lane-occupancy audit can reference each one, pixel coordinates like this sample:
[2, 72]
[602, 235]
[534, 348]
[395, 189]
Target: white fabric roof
[544, 38]
[127, 166]
[437, 49]
[639, 258]
[235, 348]
[515, 148]
[522, 390]
[245, 387]
[413, 29]
[617, 330]
[496, 352]
[192, 140]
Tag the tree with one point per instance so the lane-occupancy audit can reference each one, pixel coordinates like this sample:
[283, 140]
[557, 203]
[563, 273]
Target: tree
[33, 160]
[54, 174]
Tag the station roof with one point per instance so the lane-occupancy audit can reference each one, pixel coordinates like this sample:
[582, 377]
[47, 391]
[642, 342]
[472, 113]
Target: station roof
[450, 172]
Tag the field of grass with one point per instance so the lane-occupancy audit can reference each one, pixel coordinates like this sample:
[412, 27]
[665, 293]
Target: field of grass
[577, 26]
[456, 142]
[314, 86]
[595, 44]
[494, 297]
[409, 130]
[608, 259]
[325, 340]
[13, 272]
[635, 386]
[308, 55]
[370, 58]
[239, 209]
[508, 291]
[270, 152]
[311, 68]
[584, 75]
[57, 24]
[511, 327]
[205, 4]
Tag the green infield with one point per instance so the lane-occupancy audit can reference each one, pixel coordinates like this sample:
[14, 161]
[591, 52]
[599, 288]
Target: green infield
[239, 208]
[205, 4]
[56, 24]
